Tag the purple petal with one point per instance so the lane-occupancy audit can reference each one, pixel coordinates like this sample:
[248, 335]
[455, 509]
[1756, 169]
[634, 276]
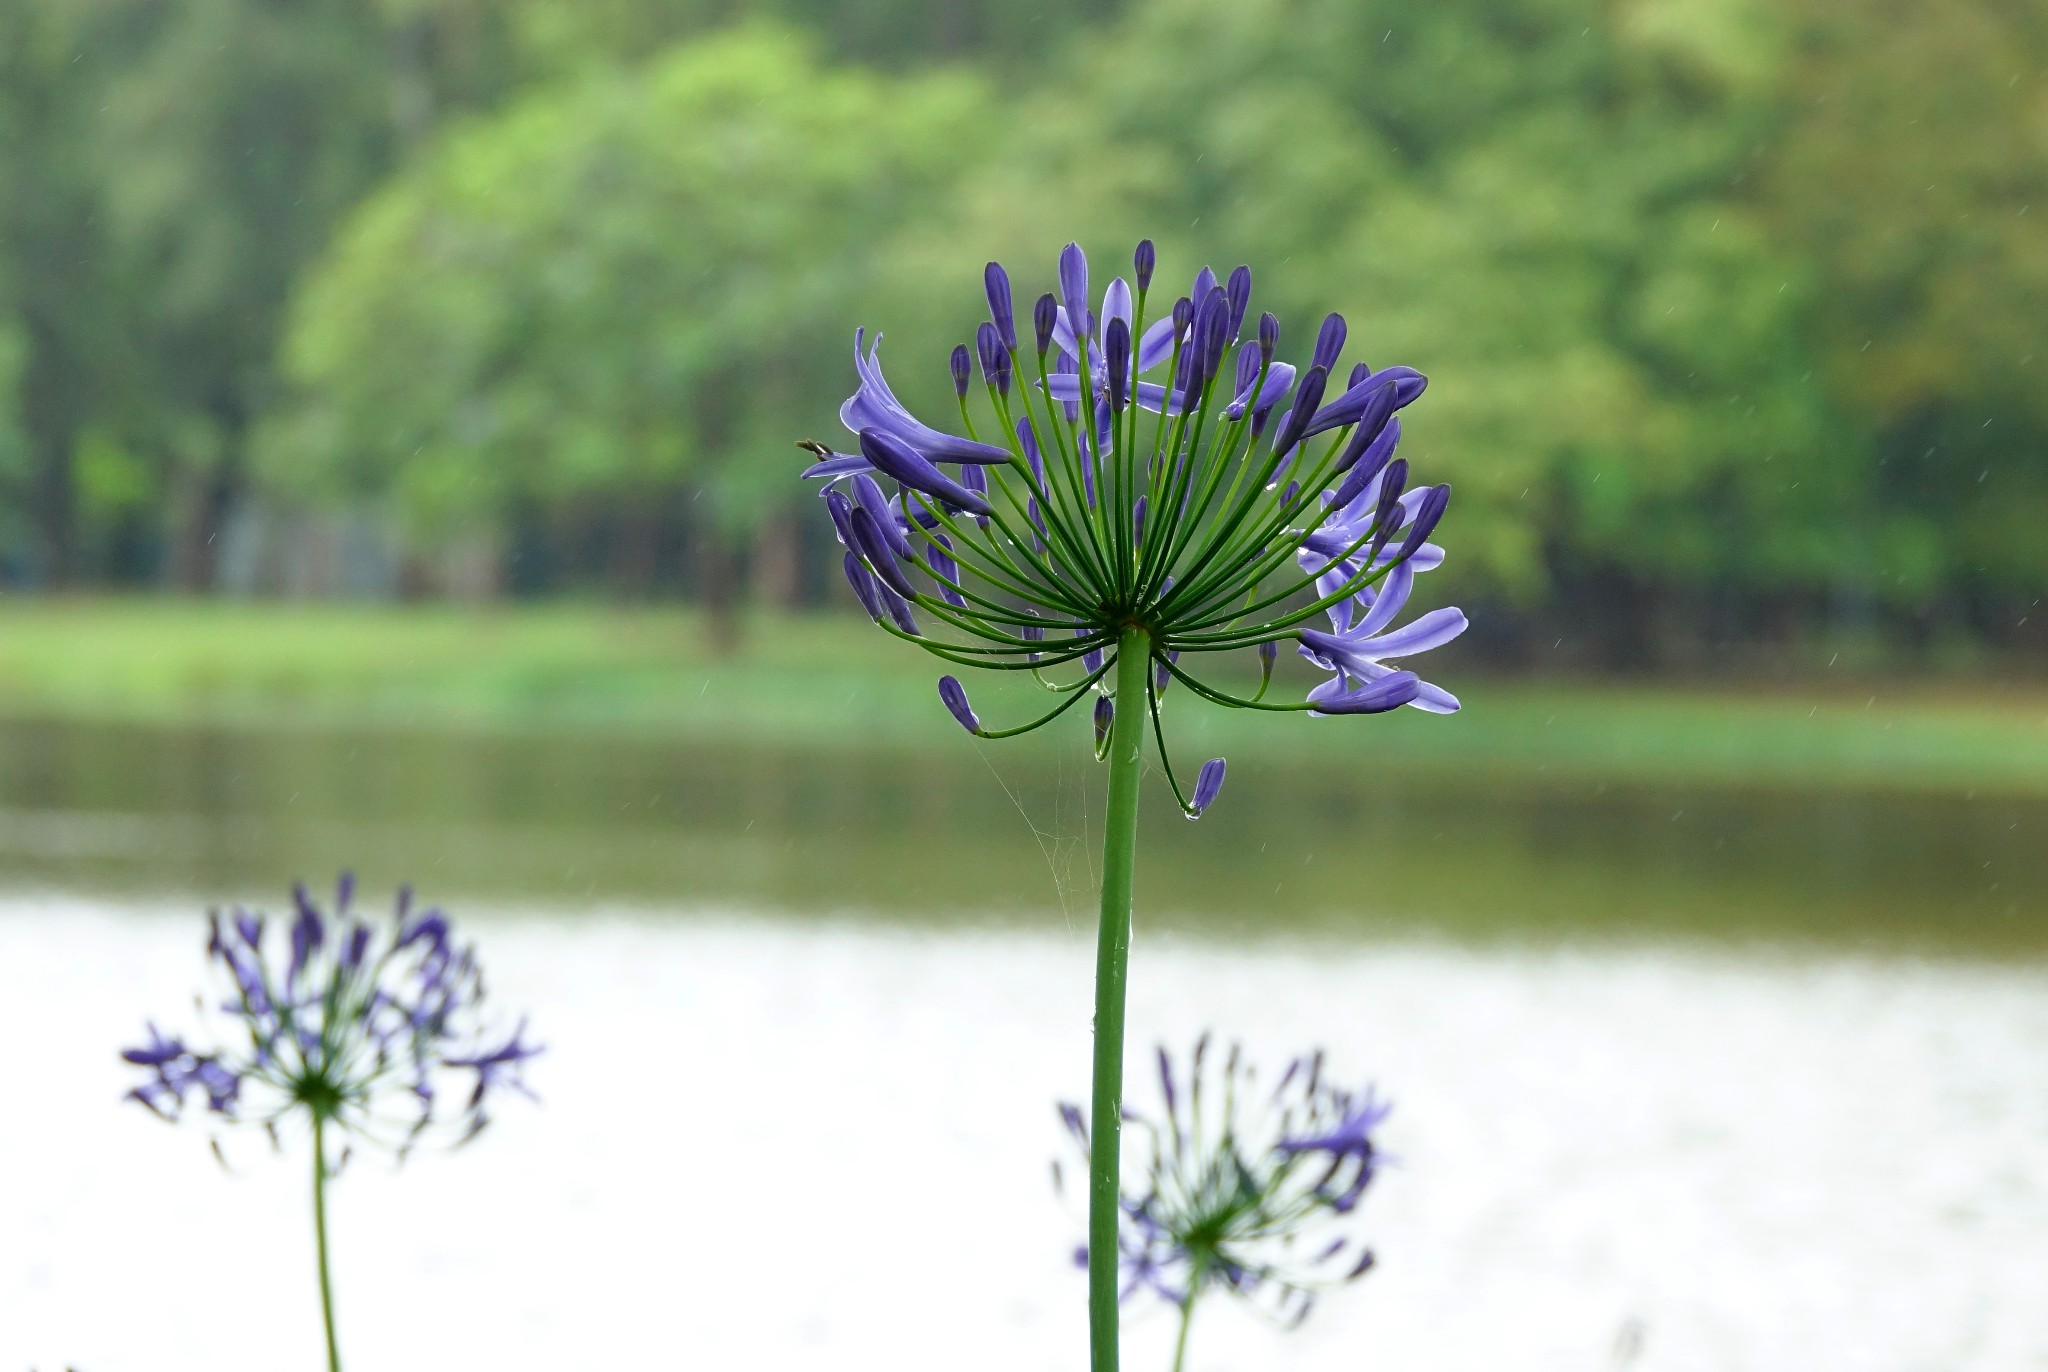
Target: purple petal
[1387, 693]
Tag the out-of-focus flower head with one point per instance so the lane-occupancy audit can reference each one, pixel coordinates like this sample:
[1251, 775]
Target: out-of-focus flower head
[1244, 1188]
[376, 1027]
[1159, 469]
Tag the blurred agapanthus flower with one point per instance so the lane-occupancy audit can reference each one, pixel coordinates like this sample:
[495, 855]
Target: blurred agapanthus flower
[375, 1029]
[1243, 1188]
[1193, 511]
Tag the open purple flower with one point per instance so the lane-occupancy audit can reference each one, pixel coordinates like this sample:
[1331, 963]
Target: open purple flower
[1164, 486]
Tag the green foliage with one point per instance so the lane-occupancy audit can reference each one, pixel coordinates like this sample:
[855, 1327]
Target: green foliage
[1733, 309]
[619, 290]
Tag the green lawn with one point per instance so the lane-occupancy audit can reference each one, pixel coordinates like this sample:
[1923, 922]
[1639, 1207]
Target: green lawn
[834, 681]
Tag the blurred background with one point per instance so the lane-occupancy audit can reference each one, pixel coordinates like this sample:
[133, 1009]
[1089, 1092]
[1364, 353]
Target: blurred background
[398, 402]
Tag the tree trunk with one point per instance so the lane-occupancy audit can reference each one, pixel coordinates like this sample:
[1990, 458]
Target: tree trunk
[718, 587]
[778, 562]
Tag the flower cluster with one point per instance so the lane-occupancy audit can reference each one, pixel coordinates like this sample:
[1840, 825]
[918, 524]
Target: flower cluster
[378, 1032]
[1165, 485]
[1244, 1189]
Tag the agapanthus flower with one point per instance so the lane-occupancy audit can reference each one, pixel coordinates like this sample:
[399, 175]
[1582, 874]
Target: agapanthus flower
[376, 1029]
[1159, 482]
[1243, 1188]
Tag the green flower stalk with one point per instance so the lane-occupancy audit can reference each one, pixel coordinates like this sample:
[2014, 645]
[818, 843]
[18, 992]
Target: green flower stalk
[1162, 487]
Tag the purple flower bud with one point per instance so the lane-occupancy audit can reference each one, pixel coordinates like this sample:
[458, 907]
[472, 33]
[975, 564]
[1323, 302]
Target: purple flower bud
[1027, 439]
[1378, 410]
[1434, 501]
[975, 479]
[1307, 396]
[867, 541]
[1240, 293]
[868, 492]
[1043, 316]
[1183, 311]
[1329, 342]
[1248, 364]
[1074, 290]
[1269, 336]
[988, 348]
[1105, 716]
[1207, 783]
[1092, 659]
[1391, 486]
[1000, 308]
[863, 583]
[1116, 351]
[954, 696]
[1143, 261]
[892, 455]
[1373, 448]
[1269, 651]
[963, 371]
[1138, 521]
[1359, 372]
[839, 507]
[1212, 334]
[1205, 281]
[897, 609]
[1407, 384]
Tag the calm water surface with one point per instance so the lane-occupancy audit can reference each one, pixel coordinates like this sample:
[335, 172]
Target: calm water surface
[1677, 1087]
[984, 831]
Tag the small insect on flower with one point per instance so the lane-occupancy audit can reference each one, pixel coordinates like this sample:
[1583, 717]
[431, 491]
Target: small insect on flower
[1243, 1188]
[375, 1031]
[1149, 494]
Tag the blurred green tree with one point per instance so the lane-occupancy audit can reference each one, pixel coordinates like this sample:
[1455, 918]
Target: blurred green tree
[1544, 204]
[629, 293]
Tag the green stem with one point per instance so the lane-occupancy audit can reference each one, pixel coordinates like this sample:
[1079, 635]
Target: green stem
[1112, 964]
[1187, 1314]
[320, 1237]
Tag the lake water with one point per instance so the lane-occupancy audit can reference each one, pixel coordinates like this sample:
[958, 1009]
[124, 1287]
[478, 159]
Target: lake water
[1682, 1080]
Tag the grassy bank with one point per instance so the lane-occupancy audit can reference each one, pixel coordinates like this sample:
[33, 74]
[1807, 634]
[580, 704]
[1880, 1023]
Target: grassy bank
[832, 681]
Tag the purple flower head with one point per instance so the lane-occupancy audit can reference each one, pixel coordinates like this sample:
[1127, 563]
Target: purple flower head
[1152, 493]
[377, 1029]
[1238, 1186]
